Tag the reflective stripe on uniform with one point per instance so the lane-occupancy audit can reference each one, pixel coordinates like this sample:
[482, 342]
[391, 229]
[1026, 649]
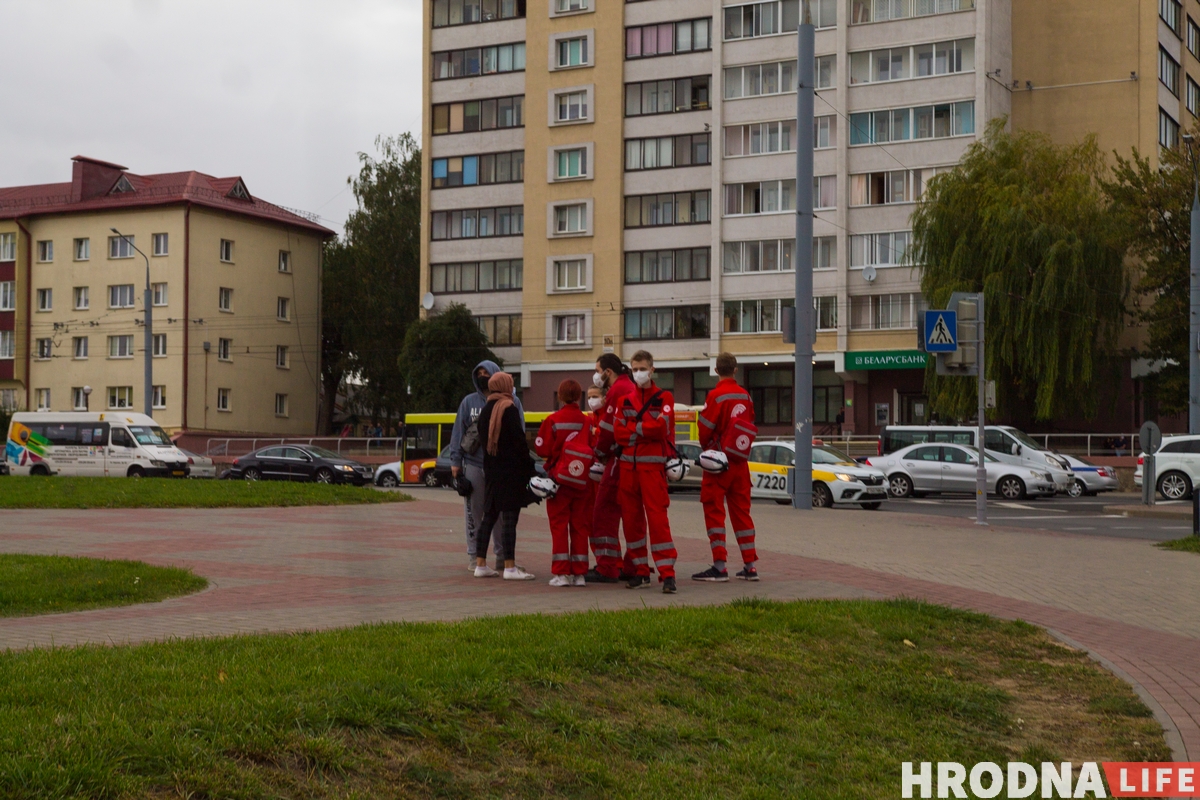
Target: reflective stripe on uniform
[575, 557]
[743, 546]
[664, 562]
[560, 557]
[744, 534]
[711, 531]
[630, 459]
[569, 479]
[612, 553]
[706, 423]
[638, 428]
[606, 425]
[725, 397]
[635, 545]
[567, 426]
[713, 544]
[655, 548]
[637, 562]
[605, 540]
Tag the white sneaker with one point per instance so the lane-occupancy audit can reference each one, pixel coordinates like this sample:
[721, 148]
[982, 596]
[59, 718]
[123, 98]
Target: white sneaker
[577, 580]
[516, 574]
[561, 580]
[485, 572]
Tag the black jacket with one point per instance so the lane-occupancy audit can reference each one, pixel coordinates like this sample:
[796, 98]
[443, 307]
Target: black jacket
[506, 475]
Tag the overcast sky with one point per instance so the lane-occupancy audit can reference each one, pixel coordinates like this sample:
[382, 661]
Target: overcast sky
[284, 94]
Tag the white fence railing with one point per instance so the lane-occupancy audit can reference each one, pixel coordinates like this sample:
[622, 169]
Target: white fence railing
[366, 446]
[1074, 444]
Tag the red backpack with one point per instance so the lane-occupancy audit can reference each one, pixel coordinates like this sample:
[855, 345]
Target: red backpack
[570, 469]
[737, 439]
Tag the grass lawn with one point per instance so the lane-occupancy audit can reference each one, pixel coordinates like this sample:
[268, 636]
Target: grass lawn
[56, 492]
[750, 700]
[31, 584]
[1188, 544]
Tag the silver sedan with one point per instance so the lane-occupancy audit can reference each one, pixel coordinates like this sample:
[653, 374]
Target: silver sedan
[924, 468]
[1089, 478]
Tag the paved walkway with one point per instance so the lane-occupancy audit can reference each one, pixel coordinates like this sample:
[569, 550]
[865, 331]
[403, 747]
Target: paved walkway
[291, 569]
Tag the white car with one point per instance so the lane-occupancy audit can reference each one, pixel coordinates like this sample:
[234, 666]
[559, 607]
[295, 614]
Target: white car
[1089, 478]
[388, 475]
[924, 468]
[199, 466]
[836, 476]
[1177, 463]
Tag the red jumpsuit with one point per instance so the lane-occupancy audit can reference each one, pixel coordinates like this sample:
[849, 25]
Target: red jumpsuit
[570, 510]
[644, 499]
[725, 402]
[606, 521]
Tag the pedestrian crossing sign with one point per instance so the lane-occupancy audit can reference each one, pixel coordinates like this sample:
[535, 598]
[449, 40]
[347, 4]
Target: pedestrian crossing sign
[941, 331]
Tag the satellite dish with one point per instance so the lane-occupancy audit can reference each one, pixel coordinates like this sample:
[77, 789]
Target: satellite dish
[427, 301]
[868, 274]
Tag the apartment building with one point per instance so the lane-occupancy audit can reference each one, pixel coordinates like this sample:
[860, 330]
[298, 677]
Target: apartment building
[235, 294]
[610, 176]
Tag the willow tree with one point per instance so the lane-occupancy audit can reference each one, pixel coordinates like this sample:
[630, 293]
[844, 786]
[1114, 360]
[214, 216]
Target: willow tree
[1027, 222]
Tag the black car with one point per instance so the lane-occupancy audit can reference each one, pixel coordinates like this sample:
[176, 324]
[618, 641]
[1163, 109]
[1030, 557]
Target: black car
[299, 462]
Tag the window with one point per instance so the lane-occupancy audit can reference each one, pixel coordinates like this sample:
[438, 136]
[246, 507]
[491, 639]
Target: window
[825, 314]
[887, 188]
[79, 347]
[674, 322]
[281, 357]
[675, 208]
[1170, 11]
[762, 137]
[159, 397]
[283, 307]
[160, 345]
[224, 299]
[885, 311]
[45, 251]
[1168, 130]
[824, 13]
[667, 96]
[226, 251]
[8, 344]
[120, 397]
[479, 170]
[481, 276]
[662, 152]
[764, 197]
[567, 6]
[754, 316]
[224, 346]
[667, 266]
[570, 275]
[83, 249]
[825, 252]
[570, 163]
[8, 296]
[1193, 97]
[668, 38]
[158, 293]
[285, 261]
[753, 80]
[1168, 71]
[903, 124]
[467, 12]
[572, 52]
[222, 399]
[761, 19]
[825, 191]
[159, 240]
[1193, 37]
[880, 249]
[826, 72]
[281, 405]
[501, 329]
[43, 399]
[883, 10]
[568, 329]
[44, 348]
[120, 295]
[571, 106]
[120, 247]
[474, 223]
[571, 218]
[82, 302]
[8, 247]
[79, 399]
[45, 299]
[919, 61]
[120, 346]
[479, 115]
[479, 61]
[768, 255]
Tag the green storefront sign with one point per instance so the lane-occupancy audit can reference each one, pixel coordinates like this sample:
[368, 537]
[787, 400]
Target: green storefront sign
[885, 359]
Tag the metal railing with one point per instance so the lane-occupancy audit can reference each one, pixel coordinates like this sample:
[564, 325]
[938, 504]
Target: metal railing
[343, 446]
[1073, 444]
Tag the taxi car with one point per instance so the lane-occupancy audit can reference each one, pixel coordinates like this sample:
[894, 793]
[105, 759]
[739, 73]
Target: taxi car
[836, 476]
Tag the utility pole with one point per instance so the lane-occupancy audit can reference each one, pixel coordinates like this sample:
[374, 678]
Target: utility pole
[981, 468]
[1194, 332]
[806, 76]
[148, 361]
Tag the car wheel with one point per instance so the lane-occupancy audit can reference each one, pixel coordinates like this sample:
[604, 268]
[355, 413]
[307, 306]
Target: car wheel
[388, 480]
[875, 506]
[252, 474]
[900, 485]
[323, 475]
[784, 502]
[430, 479]
[1174, 486]
[1011, 487]
[822, 497]
[40, 471]
[135, 472]
[1077, 488]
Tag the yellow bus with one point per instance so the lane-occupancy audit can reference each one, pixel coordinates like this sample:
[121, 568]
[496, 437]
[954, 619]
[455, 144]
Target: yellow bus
[428, 435]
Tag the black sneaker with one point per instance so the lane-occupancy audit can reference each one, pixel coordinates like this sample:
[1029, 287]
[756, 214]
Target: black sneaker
[748, 574]
[595, 577]
[668, 586]
[713, 575]
[639, 582]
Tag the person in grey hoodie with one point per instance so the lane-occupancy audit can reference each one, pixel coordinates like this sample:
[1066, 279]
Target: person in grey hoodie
[471, 464]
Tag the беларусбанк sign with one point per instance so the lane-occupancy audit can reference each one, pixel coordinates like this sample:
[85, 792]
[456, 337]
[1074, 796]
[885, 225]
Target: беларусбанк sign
[885, 359]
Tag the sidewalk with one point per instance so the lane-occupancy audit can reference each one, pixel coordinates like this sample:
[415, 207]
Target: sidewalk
[312, 568]
[1163, 509]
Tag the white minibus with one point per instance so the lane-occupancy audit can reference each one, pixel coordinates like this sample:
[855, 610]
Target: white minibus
[114, 444]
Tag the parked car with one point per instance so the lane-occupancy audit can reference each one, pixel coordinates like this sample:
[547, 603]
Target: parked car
[1089, 478]
[199, 466]
[299, 462]
[1003, 442]
[434, 472]
[946, 468]
[690, 453]
[836, 476]
[1177, 463]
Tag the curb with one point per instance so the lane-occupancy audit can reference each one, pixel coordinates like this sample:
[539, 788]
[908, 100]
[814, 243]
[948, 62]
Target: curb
[1169, 512]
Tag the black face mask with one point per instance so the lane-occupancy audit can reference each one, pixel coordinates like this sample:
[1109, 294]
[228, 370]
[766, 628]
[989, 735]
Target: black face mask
[481, 383]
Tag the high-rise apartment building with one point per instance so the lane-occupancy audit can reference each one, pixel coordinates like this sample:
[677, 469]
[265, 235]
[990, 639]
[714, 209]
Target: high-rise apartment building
[602, 175]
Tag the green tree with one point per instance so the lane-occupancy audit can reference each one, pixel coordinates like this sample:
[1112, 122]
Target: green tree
[372, 282]
[1028, 223]
[1156, 205]
[438, 356]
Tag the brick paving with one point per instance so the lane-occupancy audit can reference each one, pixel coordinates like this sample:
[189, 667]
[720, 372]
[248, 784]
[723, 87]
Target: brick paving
[1135, 606]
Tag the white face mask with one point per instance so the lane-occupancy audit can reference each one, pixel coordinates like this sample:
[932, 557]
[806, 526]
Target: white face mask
[598, 380]
[594, 403]
[641, 376]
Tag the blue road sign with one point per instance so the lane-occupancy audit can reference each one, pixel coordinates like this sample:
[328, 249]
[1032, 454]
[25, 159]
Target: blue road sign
[941, 331]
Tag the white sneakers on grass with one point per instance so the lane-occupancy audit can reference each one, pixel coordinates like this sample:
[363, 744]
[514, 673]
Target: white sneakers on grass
[515, 574]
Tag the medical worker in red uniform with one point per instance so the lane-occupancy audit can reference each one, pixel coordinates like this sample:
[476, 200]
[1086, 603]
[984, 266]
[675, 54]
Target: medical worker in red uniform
[570, 509]
[606, 521]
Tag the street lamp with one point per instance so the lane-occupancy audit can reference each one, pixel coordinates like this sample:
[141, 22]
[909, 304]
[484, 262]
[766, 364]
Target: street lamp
[1194, 270]
[148, 363]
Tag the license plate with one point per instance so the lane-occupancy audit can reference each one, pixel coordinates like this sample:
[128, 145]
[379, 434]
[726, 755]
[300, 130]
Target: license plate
[178, 472]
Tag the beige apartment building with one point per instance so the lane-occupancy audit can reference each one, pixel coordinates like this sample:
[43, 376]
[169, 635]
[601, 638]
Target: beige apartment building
[235, 285]
[611, 176]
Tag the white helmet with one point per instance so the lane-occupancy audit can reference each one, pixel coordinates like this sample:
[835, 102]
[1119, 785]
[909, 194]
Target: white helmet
[543, 487]
[713, 461]
[596, 473]
[677, 468]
